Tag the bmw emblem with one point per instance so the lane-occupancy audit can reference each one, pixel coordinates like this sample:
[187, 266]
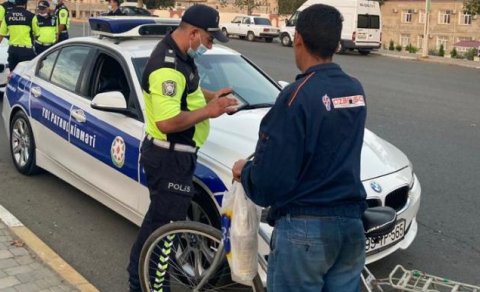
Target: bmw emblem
[376, 187]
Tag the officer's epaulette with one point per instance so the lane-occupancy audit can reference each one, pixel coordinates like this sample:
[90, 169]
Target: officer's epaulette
[170, 57]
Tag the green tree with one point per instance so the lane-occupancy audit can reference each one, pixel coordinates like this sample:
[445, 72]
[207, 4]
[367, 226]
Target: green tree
[154, 4]
[472, 6]
[441, 51]
[288, 6]
[249, 4]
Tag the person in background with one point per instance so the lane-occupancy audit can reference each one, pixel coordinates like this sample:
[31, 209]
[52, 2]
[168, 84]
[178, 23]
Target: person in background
[307, 167]
[114, 7]
[5, 7]
[18, 26]
[44, 28]
[62, 17]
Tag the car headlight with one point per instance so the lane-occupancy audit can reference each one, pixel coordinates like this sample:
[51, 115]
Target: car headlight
[412, 176]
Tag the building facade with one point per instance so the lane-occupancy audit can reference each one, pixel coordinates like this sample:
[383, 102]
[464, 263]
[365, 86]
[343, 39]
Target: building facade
[404, 22]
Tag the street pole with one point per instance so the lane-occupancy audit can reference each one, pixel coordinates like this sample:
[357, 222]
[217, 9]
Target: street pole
[426, 30]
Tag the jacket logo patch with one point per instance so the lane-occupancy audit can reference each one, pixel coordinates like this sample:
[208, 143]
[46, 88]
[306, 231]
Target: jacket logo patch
[327, 102]
[348, 101]
[169, 88]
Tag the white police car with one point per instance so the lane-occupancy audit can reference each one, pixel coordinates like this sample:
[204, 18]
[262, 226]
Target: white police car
[77, 111]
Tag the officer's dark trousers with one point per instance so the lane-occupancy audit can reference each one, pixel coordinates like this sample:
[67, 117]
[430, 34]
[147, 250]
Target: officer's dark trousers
[40, 48]
[17, 55]
[169, 179]
[63, 36]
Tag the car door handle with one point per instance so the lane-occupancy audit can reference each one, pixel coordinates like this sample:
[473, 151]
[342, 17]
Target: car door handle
[36, 91]
[78, 115]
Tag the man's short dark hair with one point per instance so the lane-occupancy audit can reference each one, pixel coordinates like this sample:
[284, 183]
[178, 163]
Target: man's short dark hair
[117, 1]
[320, 27]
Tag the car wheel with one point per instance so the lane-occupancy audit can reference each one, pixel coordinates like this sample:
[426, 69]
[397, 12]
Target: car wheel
[250, 36]
[341, 48]
[22, 144]
[269, 40]
[285, 39]
[203, 210]
[224, 31]
[364, 52]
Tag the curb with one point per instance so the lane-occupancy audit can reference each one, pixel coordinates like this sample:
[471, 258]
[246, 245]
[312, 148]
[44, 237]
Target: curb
[428, 60]
[45, 253]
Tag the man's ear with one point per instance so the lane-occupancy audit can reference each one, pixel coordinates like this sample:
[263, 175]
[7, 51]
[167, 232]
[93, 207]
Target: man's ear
[297, 39]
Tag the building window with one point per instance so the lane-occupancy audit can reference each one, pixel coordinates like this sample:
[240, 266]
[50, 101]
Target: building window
[459, 39]
[444, 17]
[404, 40]
[442, 40]
[422, 16]
[407, 16]
[465, 19]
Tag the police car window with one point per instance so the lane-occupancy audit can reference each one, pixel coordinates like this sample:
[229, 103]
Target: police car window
[46, 65]
[69, 65]
[219, 71]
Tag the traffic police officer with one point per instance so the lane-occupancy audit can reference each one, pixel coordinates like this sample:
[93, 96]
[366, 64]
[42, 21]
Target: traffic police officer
[63, 19]
[177, 113]
[5, 7]
[44, 28]
[114, 8]
[18, 24]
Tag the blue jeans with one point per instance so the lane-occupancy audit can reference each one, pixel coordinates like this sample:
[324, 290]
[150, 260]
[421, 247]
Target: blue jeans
[316, 254]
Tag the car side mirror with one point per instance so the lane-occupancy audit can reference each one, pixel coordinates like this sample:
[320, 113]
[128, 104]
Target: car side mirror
[110, 101]
[283, 84]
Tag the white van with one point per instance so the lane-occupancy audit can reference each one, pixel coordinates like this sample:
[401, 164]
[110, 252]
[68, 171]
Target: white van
[361, 24]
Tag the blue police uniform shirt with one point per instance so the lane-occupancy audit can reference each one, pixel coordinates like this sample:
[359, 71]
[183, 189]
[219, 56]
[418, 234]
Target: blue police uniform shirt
[307, 158]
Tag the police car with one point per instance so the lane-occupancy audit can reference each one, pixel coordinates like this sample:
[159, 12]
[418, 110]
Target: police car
[77, 111]
[3, 65]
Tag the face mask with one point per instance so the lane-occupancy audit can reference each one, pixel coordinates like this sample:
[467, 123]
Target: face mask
[43, 14]
[109, 7]
[11, 1]
[198, 52]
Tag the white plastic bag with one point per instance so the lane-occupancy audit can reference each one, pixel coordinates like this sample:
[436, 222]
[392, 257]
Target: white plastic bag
[240, 223]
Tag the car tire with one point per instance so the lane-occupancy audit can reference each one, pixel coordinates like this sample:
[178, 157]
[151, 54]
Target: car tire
[203, 210]
[225, 32]
[250, 36]
[22, 144]
[364, 52]
[341, 49]
[286, 40]
[268, 40]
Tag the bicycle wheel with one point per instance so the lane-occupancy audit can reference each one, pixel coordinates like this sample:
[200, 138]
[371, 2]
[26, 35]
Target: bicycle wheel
[187, 256]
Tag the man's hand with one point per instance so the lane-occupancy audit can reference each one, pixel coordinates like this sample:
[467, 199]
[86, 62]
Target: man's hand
[218, 105]
[237, 169]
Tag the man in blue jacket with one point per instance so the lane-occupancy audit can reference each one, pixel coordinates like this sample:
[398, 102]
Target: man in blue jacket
[307, 167]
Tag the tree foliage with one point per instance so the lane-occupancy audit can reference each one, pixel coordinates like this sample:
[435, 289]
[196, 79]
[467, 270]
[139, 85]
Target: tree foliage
[472, 6]
[154, 4]
[248, 4]
[288, 6]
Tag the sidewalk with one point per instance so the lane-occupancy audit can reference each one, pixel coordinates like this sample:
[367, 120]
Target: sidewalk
[430, 59]
[29, 265]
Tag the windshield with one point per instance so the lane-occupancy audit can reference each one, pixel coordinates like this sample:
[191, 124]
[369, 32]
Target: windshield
[219, 71]
[262, 21]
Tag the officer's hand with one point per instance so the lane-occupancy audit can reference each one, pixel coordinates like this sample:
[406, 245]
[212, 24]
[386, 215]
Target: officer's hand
[237, 169]
[220, 105]
[222, 92]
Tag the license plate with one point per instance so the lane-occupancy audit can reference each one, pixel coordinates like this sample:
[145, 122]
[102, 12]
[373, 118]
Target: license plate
[373, 244]
[362, 36]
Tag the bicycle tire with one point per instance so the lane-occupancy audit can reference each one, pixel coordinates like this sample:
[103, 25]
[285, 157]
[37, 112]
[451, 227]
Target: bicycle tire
[181, 228]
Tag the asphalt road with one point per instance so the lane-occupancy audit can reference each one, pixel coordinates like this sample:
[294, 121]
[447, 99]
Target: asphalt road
[429, 111]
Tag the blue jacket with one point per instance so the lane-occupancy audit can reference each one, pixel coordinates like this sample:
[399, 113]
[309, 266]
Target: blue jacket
[307, 158]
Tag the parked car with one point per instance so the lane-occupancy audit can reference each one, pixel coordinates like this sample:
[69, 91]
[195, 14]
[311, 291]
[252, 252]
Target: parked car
[3, 65]
[251, 27]
[77, 111]
[131, 3]
[135, 11]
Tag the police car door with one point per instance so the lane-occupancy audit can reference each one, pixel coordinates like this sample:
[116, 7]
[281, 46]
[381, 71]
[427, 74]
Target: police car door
[107, 140]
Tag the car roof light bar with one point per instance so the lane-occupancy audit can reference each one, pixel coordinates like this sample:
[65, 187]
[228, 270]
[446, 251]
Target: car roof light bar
[128, 27]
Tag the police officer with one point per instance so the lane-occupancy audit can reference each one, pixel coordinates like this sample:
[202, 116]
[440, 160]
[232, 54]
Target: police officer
[114, 7]
[18, 24]
[44, 28]
[177, 114]
[5, 7]
[307, 167]
[62, 17]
